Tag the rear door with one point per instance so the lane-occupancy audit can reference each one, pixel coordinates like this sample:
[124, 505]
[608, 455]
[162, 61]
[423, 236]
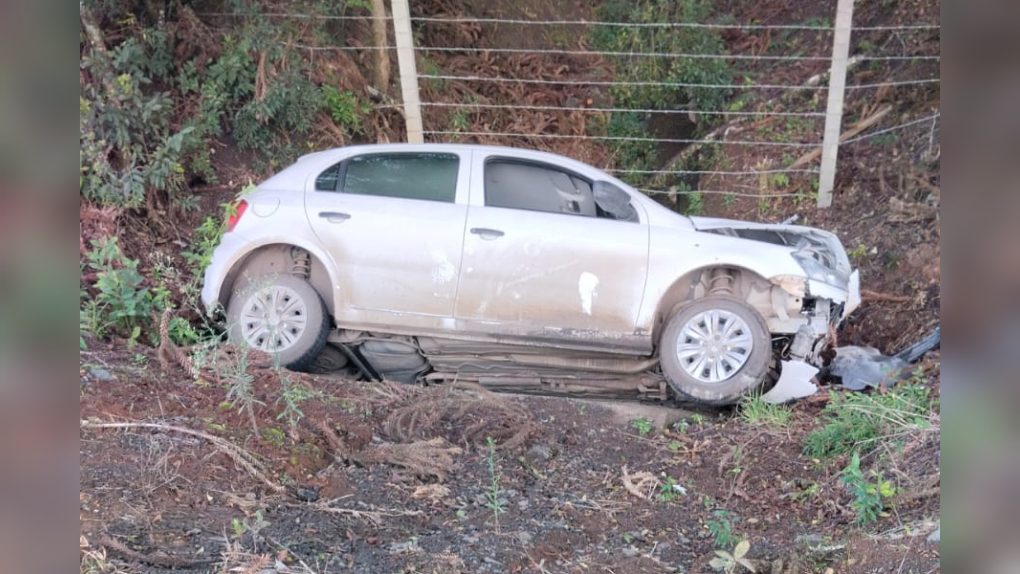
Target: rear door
[394, 225]
[541, 265]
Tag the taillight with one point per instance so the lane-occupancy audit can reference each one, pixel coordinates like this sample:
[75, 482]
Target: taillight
[236, 216]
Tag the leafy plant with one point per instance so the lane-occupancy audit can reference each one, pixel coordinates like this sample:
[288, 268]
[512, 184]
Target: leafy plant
[728, 561]
[695, 203]
[252, 525]
[347, 111]
[779, 180]
[721, 529]
[858, 253]
[239, 387]
[671, 489]
[642, 425]
[122, 303]
[494, 495]
[868, 496]
[291, 397]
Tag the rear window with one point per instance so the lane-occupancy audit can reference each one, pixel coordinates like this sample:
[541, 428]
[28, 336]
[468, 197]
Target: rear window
[424, 176]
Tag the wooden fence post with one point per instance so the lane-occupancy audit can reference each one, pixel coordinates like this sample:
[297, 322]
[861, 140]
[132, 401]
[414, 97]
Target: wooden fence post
[408, 70]
[834, 109]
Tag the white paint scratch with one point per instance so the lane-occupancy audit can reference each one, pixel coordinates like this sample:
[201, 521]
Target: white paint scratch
[586, 285]
[442, 270]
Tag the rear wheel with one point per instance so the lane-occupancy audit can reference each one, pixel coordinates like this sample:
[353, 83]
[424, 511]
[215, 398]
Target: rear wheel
[715, 350]
[281, 315]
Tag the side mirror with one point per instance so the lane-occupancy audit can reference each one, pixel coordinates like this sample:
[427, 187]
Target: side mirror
[613, 202]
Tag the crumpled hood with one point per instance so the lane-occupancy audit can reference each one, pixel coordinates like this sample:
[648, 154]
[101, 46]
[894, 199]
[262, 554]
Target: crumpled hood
[822, 246]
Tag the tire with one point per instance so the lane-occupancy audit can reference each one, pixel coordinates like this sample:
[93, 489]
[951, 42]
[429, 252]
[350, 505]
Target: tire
[730, 367]
[298, 334]
[329, 360]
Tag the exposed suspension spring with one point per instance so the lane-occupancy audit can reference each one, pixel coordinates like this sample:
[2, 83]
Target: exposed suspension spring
[720, 282]
[301, 263]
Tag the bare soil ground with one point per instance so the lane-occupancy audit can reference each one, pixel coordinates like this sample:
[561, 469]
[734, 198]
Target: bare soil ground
[387, 478]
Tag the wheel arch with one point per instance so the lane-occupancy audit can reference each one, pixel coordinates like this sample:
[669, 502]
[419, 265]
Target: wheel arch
[275, 257]
[747, 285]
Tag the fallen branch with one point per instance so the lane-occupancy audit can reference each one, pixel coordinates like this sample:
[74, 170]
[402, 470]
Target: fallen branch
[373, 516]
[240, 456]
[884, 297]
[639, 481]
[858, 128]
[155, 559]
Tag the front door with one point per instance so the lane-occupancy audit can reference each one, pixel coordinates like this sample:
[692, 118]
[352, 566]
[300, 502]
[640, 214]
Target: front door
[541, 265]
[394, 227]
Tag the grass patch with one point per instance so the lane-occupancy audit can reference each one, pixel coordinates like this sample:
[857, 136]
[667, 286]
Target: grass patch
[756, 411]
[858, 422]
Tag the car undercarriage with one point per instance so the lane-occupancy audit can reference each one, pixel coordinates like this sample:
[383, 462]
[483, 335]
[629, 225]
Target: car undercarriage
[508, 367]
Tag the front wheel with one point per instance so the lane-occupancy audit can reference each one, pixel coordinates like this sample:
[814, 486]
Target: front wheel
[715, 350]
[281, 315]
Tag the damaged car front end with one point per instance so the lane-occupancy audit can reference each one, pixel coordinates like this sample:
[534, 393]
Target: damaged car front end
[829, 290]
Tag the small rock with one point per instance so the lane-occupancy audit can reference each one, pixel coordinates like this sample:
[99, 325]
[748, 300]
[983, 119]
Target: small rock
[307, 493]
[818, 545]
[524, 537]
[100, 374]
[630, 551]
[936, 536]
[523, 504]
[540, 451]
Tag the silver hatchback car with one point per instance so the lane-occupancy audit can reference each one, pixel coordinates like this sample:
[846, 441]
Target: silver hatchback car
[519, 270]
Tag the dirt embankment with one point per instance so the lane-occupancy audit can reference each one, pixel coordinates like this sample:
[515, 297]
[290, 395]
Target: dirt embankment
[381, 477]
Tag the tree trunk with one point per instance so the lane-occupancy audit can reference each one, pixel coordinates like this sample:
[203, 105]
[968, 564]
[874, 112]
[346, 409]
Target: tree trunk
[379, 37]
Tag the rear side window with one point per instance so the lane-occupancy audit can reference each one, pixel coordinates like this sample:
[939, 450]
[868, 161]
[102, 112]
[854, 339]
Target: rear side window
[426, 176]
[536, 187]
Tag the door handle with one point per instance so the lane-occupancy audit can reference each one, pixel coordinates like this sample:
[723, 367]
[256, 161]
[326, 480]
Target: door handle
[486, 233]
[334, 216]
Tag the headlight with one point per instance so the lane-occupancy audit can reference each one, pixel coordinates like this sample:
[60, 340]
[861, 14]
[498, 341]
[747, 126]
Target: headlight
[818, 272]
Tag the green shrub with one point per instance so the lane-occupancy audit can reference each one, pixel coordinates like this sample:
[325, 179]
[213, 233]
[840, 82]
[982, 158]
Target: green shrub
[721, 529]
[122, 304]
[858, 421]
[346, 109]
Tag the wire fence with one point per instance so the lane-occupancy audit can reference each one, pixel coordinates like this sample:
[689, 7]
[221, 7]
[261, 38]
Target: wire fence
[763, 150]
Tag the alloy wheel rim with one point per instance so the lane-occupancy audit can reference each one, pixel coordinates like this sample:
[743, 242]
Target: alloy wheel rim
[714, 345]
[273, 319]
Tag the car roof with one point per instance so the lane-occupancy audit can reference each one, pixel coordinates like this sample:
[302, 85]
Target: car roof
[450, 147]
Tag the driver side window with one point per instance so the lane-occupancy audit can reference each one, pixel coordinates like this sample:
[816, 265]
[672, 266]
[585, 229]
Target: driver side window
[536, 187]
[517, 184]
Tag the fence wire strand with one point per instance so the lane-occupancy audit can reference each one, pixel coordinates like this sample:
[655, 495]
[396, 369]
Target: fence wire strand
[711, 172]
[616, 110]
[699, 56]
[717, 26]
[499, 79]
[626, 138]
